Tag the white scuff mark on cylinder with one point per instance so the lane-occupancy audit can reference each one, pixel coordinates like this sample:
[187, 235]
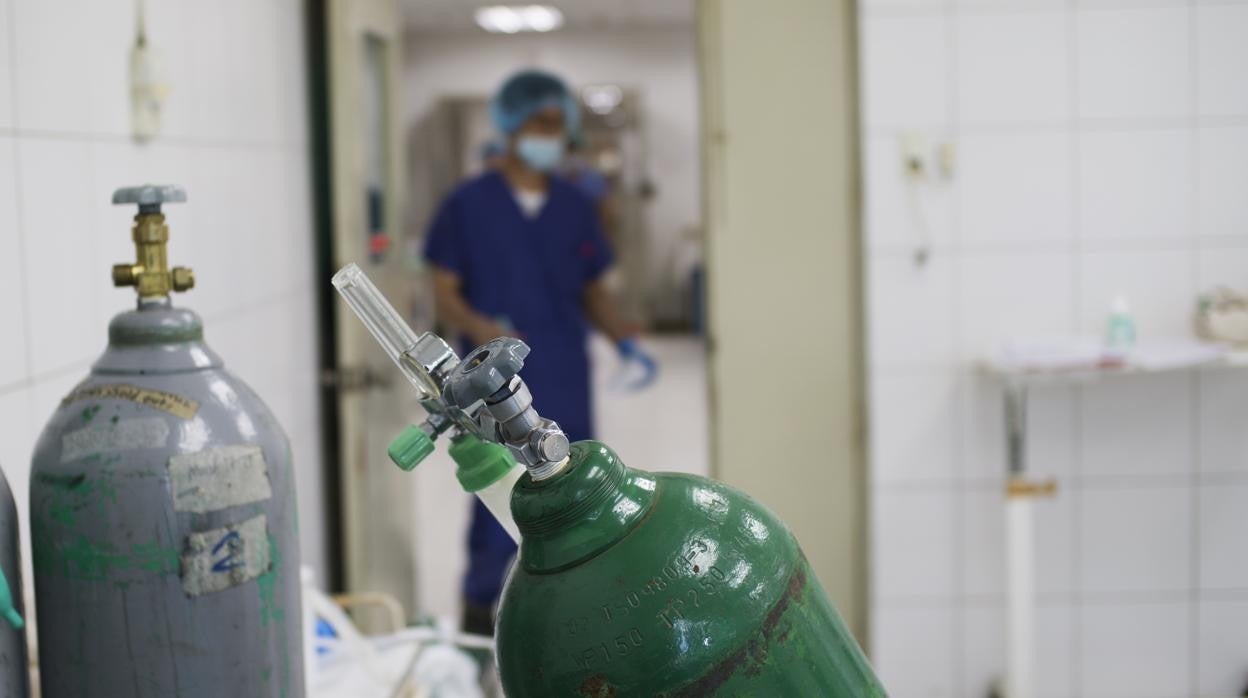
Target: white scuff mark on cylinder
[218, 478]
[221, 558]
[122, 435]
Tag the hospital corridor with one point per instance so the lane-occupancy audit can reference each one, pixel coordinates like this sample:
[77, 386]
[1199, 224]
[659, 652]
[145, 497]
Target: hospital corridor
[624, 349]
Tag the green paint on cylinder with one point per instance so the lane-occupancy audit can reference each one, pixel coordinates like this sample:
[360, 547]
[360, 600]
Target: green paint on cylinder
[272, 612]
[87, 560]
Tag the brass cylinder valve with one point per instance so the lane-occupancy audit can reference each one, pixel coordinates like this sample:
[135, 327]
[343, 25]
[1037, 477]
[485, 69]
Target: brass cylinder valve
[150, 274]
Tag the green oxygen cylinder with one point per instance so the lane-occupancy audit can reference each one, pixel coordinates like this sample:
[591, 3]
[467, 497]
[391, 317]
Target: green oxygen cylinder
[658, 584]
[628, 583]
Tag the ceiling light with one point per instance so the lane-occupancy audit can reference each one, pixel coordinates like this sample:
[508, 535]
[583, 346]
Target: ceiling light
[602, 99]
[511, 19]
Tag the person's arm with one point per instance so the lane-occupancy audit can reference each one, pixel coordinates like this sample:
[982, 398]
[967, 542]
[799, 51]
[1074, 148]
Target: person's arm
[603, 313]
[453, 309]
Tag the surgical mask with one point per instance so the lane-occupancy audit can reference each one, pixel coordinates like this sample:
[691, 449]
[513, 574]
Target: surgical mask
[542, 153]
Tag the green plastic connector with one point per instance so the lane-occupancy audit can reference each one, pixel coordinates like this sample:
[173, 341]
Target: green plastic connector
[481, 464]
[6, 605]
[410, 448]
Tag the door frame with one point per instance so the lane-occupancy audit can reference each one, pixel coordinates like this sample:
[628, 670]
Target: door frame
[332, 28]
[317, 55]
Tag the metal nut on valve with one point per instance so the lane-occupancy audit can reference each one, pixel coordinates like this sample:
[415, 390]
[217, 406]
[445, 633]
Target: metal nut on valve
[550, 445]
[125, 274]
[183, 279]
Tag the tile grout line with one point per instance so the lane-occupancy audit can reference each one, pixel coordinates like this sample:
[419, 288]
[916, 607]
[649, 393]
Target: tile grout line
[1196, 380]
[1095, 124]
[958, 497]
[102, 137]
[1194, 554]
[1110, 598]
[1104, 599]
[1166, 481]
[987, 9]
[1075, 637]
[1171, 243]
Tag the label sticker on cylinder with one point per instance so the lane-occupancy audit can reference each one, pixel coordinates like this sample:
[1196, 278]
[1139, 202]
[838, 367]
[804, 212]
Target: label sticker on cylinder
[122, 435]
[169, 402]
[221, 558]
[217, 478]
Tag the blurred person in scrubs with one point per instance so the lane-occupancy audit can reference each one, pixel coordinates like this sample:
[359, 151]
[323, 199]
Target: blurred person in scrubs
[519, 252]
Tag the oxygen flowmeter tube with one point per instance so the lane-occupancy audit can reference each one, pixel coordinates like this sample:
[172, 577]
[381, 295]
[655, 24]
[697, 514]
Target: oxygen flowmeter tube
[485, 469]
[383, 322]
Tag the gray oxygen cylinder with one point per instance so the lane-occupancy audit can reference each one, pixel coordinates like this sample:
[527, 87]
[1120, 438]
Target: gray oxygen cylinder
[162, 507]
[14, 668]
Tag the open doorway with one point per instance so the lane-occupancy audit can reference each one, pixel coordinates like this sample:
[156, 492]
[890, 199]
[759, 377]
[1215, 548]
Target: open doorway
[634, 73]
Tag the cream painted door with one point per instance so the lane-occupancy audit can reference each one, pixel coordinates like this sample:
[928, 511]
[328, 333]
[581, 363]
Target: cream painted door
[781, 209]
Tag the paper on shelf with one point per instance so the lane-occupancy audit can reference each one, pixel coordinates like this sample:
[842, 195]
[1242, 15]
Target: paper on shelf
[1181, 353]
[1052, 354]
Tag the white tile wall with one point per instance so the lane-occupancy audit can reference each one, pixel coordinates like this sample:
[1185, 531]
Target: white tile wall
[904, 65]
[1138, 427]
[1102, 148]
[1135, 540]
[1138, 650]
[1221, 55]
[1039, 182]
[983, 650]
[912, 653]
[234, 137]
[59, 286]
[1012, 68]
[1222, 264]
[914, 441]
[1223, 413]
[1135, 184]
[1223, 545]
[1133, 63]
[14, 351]
[913, 533]
[1223, 162]
[1003, 294]
[911, 312]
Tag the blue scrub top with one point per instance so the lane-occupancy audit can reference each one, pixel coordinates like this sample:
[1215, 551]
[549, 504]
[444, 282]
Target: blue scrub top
[532, 273]
[590, 182]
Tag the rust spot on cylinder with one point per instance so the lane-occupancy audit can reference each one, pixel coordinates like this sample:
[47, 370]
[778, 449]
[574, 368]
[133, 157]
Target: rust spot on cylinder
[596, 686]
[750, 656]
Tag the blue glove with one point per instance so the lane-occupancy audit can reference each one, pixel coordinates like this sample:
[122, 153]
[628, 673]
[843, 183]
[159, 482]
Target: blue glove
[640, 369]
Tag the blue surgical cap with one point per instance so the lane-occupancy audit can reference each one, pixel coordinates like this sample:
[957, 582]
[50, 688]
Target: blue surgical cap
[527, 93]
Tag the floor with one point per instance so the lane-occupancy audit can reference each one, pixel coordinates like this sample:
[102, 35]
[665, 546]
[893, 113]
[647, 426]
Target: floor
[661, 428]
